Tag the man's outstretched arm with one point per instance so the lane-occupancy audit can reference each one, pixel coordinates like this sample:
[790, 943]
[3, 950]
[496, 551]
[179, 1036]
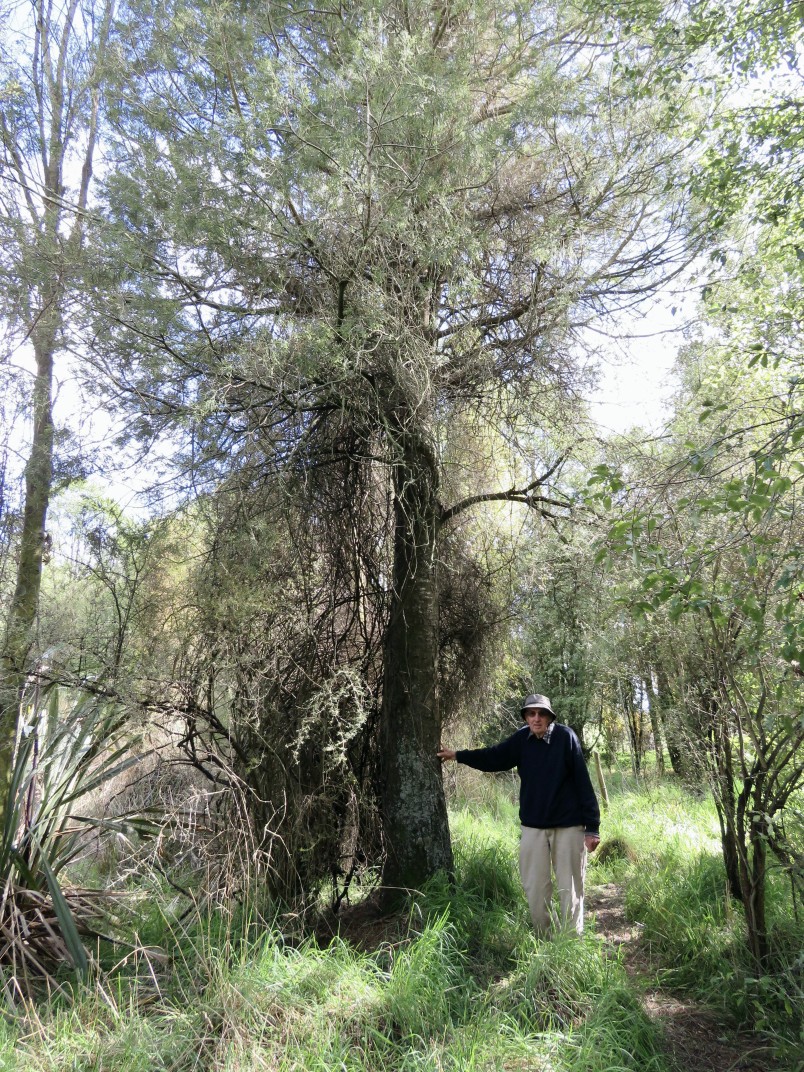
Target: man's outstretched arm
[499, 757]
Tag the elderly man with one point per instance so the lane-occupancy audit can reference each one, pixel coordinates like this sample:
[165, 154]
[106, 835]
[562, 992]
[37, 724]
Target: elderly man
[558, 809]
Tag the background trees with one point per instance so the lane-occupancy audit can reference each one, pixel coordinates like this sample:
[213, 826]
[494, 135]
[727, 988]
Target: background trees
[715, 539]
[50, 97]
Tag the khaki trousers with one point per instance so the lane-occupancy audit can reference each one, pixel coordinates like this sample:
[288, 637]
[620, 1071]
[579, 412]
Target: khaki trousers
[561, 851]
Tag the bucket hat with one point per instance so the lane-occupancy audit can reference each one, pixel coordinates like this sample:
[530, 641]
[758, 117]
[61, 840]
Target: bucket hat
[537, 700]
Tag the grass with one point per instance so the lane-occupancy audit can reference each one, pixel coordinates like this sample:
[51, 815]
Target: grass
[676, 889]
[465, 987]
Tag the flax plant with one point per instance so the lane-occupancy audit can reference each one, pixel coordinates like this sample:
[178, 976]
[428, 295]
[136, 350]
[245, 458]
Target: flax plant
[64, 751]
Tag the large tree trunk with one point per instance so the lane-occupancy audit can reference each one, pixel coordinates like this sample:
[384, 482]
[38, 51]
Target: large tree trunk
[415, 825]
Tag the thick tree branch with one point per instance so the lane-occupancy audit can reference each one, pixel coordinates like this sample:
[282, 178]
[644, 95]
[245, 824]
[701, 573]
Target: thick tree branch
[526, 495]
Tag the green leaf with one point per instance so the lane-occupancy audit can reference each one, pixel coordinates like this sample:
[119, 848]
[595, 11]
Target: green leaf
[67, 925]
[20, 778]
[642, 608]
[26, 874]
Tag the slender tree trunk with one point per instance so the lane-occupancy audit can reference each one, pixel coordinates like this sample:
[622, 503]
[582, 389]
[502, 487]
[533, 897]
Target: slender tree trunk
[728, 841]
[626, 692]
[753, 874]
[415, 825]
[664, 701]
[25, 600]
[655, 723]
[604, 793]
[725, 797]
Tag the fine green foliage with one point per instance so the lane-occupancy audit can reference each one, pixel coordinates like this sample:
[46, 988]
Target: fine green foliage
[372, 231]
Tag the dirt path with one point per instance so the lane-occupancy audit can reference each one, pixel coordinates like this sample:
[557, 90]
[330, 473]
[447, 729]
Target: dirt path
[697, 1041]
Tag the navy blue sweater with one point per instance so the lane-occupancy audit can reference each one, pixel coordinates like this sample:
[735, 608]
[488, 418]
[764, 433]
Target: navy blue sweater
[555, 787]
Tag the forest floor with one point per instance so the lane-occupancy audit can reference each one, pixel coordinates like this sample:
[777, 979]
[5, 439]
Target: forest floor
[697, 1040]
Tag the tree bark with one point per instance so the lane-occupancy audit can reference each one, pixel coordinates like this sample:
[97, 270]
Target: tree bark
[725, 795]
[664, 701]
[604, 793]
[655, 723]
[753, 873]
[415, 825]
[728, 841]
[625, 690]
[25, 600]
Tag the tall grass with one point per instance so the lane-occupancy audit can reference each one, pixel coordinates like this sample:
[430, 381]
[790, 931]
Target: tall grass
[676, 889]
[460, 985]
[465, 988]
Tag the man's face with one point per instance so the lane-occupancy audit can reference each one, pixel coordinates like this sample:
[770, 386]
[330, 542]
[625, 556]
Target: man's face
[538, 720]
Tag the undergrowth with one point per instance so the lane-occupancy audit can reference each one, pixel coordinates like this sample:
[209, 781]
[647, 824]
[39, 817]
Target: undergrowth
[460, 984]
[693, 931]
